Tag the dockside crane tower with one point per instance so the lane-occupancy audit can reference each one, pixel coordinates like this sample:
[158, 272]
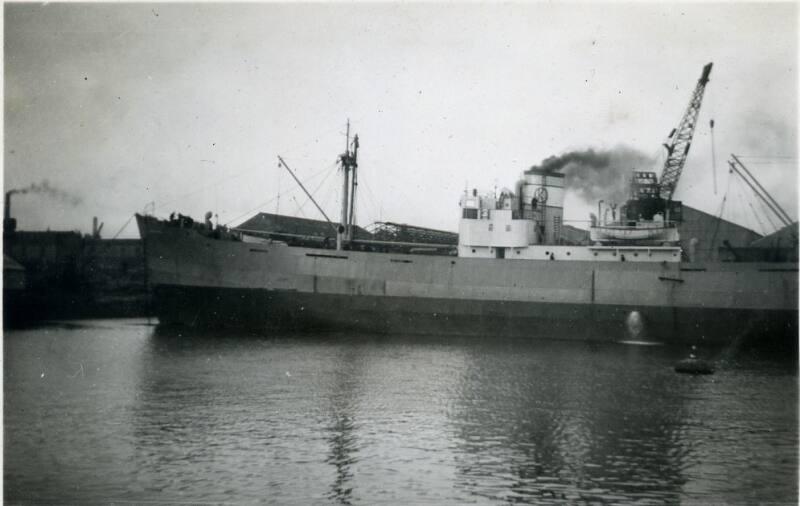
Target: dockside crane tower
[650, 195]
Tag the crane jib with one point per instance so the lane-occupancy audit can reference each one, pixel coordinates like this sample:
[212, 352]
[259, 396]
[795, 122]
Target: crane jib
[682, 139]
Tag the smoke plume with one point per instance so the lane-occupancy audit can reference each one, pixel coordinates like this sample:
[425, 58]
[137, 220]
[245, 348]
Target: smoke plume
[45, 188]
[598, 174]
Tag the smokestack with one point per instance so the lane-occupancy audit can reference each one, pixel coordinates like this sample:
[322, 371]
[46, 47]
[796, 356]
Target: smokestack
[595, 174]
[9, 224]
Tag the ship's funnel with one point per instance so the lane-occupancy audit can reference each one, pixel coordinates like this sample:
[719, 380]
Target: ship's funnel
[542, 200]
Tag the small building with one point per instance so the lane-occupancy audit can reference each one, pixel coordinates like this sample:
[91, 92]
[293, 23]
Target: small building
[68, 275]
[113, 264]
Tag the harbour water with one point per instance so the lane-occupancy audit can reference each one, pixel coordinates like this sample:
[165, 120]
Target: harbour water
[121, 411]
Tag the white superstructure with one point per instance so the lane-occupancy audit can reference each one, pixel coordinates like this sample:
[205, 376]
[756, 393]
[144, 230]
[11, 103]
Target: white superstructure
[528, 225]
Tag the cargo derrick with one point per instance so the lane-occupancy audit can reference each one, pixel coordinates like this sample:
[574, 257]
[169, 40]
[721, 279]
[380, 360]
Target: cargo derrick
[649, 196]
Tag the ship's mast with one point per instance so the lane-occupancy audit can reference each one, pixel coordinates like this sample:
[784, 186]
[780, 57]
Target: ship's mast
[349, 160]
[353, 186]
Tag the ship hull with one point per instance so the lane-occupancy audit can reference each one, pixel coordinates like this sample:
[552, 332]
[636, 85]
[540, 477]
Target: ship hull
[200, 281]
[275, 309]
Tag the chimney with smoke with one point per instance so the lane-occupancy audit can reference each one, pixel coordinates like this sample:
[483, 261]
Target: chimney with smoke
[43, 188]
[597, 174]
[9, 223]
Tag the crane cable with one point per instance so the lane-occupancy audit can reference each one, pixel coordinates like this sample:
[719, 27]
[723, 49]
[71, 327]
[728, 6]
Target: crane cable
[763, 205]
[713, 156]
[719, 217]
[767, 215]
[755, 215]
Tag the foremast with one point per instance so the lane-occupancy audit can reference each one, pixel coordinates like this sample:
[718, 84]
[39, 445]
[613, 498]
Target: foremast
[349, 167]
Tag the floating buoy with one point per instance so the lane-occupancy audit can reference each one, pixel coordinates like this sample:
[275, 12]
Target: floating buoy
[694, 365]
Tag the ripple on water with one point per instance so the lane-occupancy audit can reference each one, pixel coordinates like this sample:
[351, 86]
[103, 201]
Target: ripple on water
[204, 417]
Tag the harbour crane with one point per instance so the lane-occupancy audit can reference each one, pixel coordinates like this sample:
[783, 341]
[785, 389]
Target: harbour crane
[680, 139]
[651, 195]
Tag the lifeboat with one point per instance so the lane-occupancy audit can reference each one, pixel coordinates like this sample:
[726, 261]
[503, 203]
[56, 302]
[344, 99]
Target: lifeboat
[639, 232]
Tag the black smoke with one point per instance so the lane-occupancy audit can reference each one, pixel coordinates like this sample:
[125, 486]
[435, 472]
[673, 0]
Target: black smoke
[596, 174]
[47, 189]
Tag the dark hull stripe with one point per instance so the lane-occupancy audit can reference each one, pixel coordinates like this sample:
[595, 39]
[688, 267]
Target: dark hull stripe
[260, 309]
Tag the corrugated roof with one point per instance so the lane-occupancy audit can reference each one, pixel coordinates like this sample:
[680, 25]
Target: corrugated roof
[281, 224]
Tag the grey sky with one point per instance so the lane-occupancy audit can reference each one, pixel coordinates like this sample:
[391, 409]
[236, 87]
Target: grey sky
[187, 105]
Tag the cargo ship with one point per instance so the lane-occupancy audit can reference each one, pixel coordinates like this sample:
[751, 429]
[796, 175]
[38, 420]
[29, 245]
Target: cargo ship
[510, 274]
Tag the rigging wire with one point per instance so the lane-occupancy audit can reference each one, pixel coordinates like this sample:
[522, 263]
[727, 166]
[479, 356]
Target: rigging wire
[331, 195]
[764, 230]
[314, 193]
[743, 216]
[278, 203]
[767, 214]
[303, 148]
[768, 157]
[755, 215]
[370, 196]
[123, 226]
[197, 190]
[711, 107]
[299, 207]
[259, 206]
[216, 183]
[266, 203]
[746, 198]
[713, 155]
[364, 206]
[719, 217]
[764, 205]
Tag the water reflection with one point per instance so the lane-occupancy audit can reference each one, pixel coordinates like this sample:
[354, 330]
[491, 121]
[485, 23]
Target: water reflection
[342, 397]
[569, 421]
[177, 416]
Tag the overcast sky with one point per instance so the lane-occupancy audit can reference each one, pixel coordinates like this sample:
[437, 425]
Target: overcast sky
[188, 105]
